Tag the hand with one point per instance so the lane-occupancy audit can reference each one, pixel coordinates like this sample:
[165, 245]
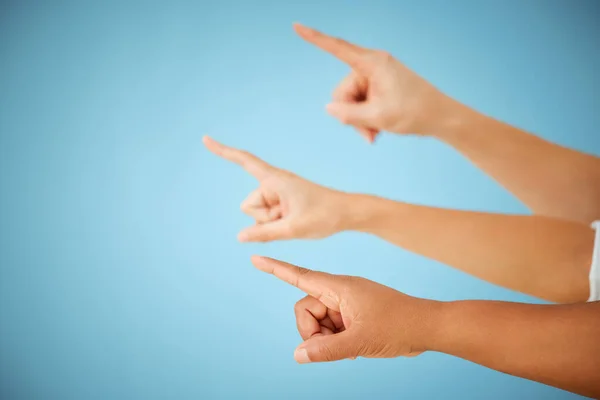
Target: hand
[284, 206]
[380, 93]
[348, 317]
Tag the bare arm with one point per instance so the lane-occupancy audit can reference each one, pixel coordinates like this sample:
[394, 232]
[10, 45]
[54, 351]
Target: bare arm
[551, 180]
[558, 345]
[347, 317]
[541, 256]
[382, 94]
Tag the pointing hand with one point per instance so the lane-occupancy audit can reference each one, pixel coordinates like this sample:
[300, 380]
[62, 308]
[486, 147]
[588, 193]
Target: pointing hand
[348, 317]
[380, 93]
[284, 206]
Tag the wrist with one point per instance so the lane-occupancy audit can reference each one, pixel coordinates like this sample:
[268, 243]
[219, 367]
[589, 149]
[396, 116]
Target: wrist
[448, 319]
[454, 119]
[431, 325]
[358, 211]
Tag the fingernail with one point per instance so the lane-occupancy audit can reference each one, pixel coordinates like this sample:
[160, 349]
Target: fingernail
[301, 356]
[243, 237]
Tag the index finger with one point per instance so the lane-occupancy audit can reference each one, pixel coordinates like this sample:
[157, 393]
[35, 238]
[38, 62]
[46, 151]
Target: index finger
[347, 52]
[254, 165]
[319, 285]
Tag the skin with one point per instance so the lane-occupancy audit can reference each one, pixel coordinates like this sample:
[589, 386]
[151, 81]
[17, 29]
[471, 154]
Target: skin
[347, 317]
[382, 94]
[544, 255]
[537, 255]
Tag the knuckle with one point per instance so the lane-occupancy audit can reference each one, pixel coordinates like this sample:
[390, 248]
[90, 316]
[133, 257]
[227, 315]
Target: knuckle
[280, 175]
[297, 276]
[383, 56]
[353, 284]
[299, 307]
[303, 271]
[346, 291]
[358, 282]
[346, 280]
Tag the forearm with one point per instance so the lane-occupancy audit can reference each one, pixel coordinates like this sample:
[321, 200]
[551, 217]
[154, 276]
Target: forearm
[554, 344]
[550, 179]
[540, 256]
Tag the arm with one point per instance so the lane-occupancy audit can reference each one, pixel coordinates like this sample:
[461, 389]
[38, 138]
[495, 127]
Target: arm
[347, 317]
[382, 94]
[558, 345]
[551, 180]
[540, 256]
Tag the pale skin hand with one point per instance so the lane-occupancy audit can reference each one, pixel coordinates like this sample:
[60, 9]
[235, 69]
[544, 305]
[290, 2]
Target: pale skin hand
[383, 94]
[543, 257]
[380, 93]
[284, 206]
[347, 317]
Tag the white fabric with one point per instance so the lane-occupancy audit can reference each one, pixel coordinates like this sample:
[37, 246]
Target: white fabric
[595, 269]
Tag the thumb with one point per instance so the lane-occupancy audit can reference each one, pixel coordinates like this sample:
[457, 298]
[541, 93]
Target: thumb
[265, 232]
[327, 348]
[352, 113]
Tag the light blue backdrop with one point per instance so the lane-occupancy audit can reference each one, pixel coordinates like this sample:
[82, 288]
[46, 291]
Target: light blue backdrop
[121, 276]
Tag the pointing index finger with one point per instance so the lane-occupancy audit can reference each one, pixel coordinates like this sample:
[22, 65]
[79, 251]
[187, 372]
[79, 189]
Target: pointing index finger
[347, 52]
[254, 165]
[319, 285]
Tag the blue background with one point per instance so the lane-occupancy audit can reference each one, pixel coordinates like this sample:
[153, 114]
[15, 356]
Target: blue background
[121, 276]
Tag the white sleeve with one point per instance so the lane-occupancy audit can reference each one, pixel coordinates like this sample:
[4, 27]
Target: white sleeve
[595, 269]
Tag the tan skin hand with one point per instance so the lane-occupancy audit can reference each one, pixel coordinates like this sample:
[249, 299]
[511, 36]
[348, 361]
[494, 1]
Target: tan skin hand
[380, 93]
[285, 206]
[347, 317]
